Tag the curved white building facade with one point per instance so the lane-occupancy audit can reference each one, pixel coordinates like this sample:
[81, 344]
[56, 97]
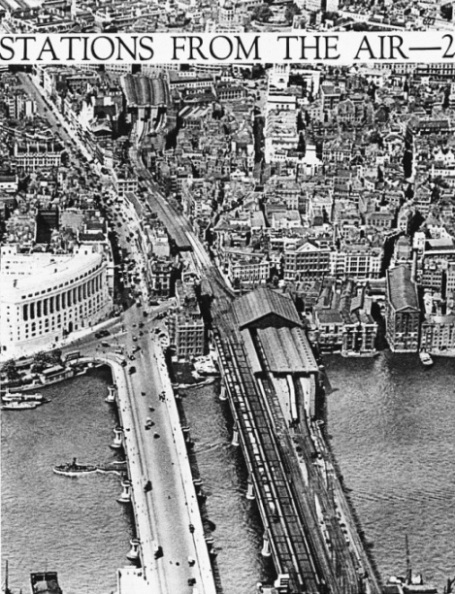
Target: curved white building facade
[45, 297]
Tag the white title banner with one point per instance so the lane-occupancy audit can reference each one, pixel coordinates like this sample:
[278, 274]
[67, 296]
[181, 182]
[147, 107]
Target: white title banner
[295, 46]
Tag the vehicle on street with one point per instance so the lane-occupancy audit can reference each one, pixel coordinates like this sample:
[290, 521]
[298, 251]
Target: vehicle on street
[132, 370]
[102, 333]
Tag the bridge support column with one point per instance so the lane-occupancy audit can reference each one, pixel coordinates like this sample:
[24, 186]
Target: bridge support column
[118, 438]
[266, 551]
[125, 496]
[112, 392]
[133, 553]
[250, 489]
[235, 437]
[197, 482]
[210, 542]
[186, 436]
[223, 395]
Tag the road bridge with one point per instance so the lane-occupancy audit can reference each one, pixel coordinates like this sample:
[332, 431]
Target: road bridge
[171, 543]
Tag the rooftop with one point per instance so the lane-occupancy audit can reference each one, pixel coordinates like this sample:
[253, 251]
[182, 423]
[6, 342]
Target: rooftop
[401, 290]
[264, 301]
[287, 350]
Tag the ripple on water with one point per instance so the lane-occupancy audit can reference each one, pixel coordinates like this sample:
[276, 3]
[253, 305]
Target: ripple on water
[74, 526]
[392, 426]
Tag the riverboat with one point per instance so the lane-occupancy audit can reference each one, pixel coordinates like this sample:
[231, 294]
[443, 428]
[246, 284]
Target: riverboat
[20, 405]
[45, 582]
[23, 397]
[425, 359]
[412, 583]
[74, 469]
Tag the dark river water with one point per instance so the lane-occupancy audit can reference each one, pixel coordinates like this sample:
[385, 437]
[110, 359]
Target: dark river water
[391, 425]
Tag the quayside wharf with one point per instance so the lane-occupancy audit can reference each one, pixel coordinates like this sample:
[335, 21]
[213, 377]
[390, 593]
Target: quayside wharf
[271, 379]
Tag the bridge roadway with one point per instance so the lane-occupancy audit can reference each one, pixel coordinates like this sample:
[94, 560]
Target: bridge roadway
[164, 514]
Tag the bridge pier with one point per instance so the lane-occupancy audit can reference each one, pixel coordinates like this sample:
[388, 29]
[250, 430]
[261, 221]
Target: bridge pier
[223, 395]
[235, 437]
[266, 550]
[197, 482]
[186, 436]
[133, 553]
[125, 496]
[118, 438]
[250, 489]
[112, 392]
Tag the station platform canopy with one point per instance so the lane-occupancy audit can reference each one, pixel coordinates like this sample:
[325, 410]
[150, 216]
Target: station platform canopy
[287, 350]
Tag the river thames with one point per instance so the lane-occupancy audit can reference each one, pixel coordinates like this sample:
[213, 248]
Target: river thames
[392, 426]
[390, 423]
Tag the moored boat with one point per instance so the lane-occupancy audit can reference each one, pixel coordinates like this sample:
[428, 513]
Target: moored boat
[22, 397]
[45, 582]
[412, 583]
[20, 405]
[74, 469]
[425, 358]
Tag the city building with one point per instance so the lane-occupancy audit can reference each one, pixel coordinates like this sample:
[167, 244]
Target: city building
[307, 261]
[45, 297]
[186, 325]
[402, 312]
[438, 334]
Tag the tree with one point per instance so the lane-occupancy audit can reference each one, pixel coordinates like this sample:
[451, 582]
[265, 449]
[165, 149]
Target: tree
[291, 11]
[262, 13]
[9, 369]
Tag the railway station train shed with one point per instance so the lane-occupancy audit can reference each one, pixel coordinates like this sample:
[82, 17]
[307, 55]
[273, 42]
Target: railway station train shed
[271, 329]
[146, 98]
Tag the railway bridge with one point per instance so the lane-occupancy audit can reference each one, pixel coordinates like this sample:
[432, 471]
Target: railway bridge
[271, 378]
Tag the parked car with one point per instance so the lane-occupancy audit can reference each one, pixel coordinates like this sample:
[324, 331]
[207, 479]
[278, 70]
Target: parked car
[132, 370]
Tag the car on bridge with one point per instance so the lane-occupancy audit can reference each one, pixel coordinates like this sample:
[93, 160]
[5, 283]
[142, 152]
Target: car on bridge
[102, 334]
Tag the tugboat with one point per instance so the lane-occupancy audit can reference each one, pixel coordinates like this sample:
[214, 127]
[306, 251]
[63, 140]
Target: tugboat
[425, 359]
[45, 582]
[74, 469]
[411, 584]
